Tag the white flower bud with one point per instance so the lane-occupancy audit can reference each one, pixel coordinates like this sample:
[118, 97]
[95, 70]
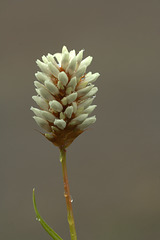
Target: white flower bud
[43, 66]
[42, 123]
[62, 77]
[81, 85]
[40, 102]
[84, 91]
[56, 106]
[51, 87]
[74, 104]
[68, 90]
[72, 54]
[86, 103]
[53, 69]
[65, 60]
[60, 123]
[58, 57]
[79, 56]
[69, 111]
[86, 62]
[71, 98]
[36, 111]
[54, 128]
[45, 94]
[72, 83]
[60, 85]
[81, 71]
[64, 101]
[78, 119]
[90, 93]
[64, 49]
[42, 77]
[79, 111]
[72, 66]
[52, 60]
[38, 85]
[45, 60]
[92, 78]
[86, 123]
[62, 116]
[48, 116]
[88, 74]
[49, 136]
[90, 109]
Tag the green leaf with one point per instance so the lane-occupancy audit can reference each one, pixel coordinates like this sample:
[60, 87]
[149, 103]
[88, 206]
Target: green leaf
[48, 229]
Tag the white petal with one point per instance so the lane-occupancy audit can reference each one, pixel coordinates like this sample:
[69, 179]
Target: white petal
[86, 123]
[90, 93]
[40, 102]
[51, 87]
[78, 119]
[43, 66]
[86, 62]
[69, 111]
[42, 77]
[53, 69]
[72, 83]
[72, 66]
[64, 49]
[45, 94]
[90, 109]
[62, 77]
[56, 106]
[65, 60]
[84, 91]
[42, 123]
[80, 71]
[79, 56]
[60, 123]
[71, 98]
[92, 78]
[48, 116]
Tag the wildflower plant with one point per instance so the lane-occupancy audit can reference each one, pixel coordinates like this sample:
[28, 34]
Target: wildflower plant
[65, 93]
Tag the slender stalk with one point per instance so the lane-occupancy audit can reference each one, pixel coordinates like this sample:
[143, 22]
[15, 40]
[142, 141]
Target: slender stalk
[68, 196]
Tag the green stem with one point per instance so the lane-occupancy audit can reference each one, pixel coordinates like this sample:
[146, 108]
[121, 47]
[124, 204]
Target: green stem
[67, 195]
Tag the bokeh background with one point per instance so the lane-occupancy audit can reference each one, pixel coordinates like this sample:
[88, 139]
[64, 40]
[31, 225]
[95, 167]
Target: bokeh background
[114, 168]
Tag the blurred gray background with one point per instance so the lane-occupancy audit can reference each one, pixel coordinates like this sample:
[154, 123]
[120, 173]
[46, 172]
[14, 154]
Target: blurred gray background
[114, 168]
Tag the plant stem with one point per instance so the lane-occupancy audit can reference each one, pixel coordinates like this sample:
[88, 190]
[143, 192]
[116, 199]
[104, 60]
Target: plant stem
[68, 196]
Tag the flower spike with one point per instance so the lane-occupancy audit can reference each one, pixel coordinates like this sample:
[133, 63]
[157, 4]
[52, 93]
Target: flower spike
[64, 94]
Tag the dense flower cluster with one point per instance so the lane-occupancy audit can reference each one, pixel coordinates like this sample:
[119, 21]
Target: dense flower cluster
[65, 94]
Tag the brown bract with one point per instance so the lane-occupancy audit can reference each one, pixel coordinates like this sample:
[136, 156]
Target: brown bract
[64, 138]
